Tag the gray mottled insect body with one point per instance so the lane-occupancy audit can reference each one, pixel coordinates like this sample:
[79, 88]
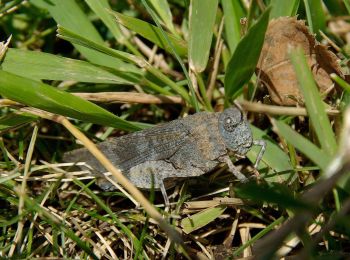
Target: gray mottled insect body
[182, 148]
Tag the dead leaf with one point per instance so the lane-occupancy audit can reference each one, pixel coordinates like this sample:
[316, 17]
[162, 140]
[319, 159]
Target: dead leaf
[275, 69]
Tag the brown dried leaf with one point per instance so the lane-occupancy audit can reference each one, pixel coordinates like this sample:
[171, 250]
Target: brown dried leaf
[275, 69]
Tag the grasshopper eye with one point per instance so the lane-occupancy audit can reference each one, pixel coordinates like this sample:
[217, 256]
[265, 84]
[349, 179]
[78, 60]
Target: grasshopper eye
[231, 122]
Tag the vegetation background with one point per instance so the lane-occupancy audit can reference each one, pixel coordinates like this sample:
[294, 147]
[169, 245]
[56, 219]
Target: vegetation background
[112, 67]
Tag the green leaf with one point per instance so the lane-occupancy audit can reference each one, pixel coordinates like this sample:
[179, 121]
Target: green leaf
[68, 14]
[152, 33]
[15, 120]
[336, 7]
[341, 82]
[275, 165]
[315, 154]
[271, 193]
[39, 65]
[316, 17]
[68, 35]
[100, 7]
[201, 219]
[347, 5]
[313, 102]
[233, 13]
[202, 20]
[45, 97]
[283, 8]
[243, 62]
[163, 10]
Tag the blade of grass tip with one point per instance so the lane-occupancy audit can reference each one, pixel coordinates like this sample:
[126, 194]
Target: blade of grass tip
[202, 16]
[193, 97]
[313, 102]
[243, 61]
[341, 82]
[150, 209]
[163, 10]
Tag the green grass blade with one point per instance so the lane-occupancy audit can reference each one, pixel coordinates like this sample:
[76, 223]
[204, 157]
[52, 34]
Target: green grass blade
[15, 120]
[315, 15]
[68, 35]
[313, 102]
[100, 7]
[68, 14]
[283, 8]
[275, 165]
[271, 193]
[38, 65]
[314, 153]
[102, 10]
[261, 234]
[233, 12]
[347, 5]
[163, 10]
[243, 62]
[336, 7]
[152, 33]
[45, 97]
[201, 219]
[341, 82]
[202, 15]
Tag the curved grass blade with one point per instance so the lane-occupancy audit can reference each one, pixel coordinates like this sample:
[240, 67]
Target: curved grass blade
[45, 97]
[243, 62]
[40, 65]
[313, 102]
[314, 153]
[152, 33]
[202, 15]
